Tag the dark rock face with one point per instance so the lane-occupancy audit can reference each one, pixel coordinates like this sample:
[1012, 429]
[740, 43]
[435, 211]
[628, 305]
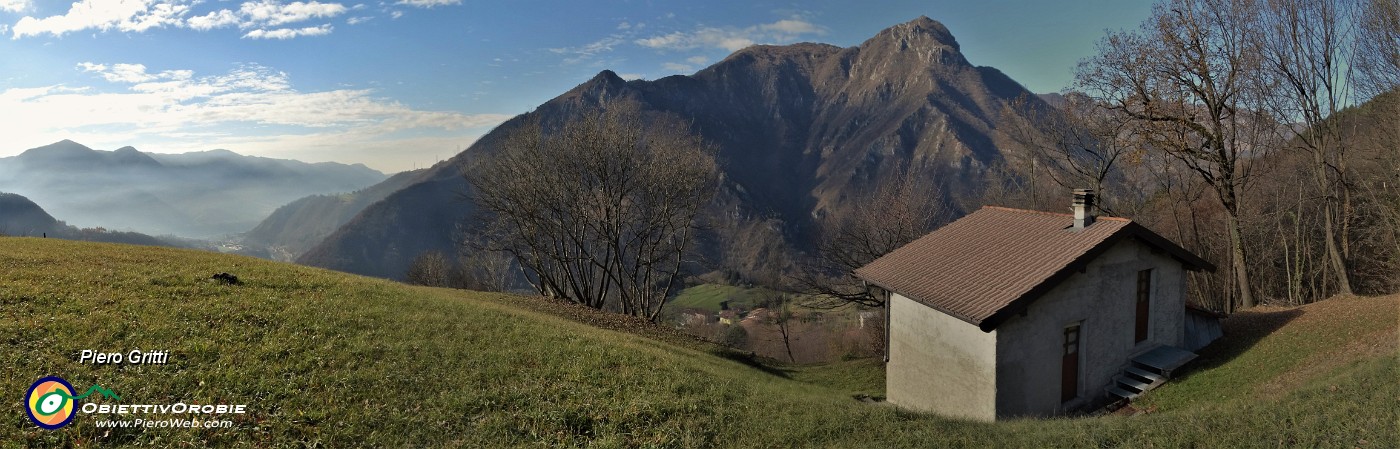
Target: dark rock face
[802, 131]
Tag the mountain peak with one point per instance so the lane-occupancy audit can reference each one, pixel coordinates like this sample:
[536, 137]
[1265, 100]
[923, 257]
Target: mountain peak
[922, 30]
[603, 85]
[608, 77]
[129, 155]
[62, 148]
[922, 42]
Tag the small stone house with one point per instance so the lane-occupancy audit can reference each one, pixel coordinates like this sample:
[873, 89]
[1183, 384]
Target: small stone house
[1013, 313]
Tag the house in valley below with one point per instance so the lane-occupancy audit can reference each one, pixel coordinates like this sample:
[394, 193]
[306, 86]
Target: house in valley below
[1012, 313]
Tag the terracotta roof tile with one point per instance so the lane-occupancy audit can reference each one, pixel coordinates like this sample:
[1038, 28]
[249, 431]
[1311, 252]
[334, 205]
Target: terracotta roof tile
[976, 266]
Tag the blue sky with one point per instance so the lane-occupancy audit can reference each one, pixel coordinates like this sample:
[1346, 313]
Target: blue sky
[401, 84]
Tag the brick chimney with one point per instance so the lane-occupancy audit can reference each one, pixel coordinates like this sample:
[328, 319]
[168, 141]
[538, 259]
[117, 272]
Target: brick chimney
[1083, 208]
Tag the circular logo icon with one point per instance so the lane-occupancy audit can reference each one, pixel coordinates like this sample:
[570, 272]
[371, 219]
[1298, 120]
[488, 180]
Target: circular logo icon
[50, 402]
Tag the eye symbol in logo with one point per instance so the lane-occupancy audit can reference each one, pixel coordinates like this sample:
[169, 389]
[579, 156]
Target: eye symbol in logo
[50, 402]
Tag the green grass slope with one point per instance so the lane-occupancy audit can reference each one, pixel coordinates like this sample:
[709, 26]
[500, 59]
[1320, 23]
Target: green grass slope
[331, 360]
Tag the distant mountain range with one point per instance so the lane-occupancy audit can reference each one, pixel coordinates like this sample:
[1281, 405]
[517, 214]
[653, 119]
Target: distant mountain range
[20, 217]
[803, 131]
[198, 195]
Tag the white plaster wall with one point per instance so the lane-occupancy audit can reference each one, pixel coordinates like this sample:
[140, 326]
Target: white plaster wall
[1103, 297]
[939, 363]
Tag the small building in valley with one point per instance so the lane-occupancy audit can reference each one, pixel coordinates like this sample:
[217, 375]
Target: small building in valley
[1011, 313]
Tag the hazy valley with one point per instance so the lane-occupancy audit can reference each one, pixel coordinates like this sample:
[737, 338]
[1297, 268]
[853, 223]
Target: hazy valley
[193, 195]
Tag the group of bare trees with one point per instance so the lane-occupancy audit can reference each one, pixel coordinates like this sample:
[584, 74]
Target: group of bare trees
[1234, 108]
[895, 213]
[600, 210]
[481, 271]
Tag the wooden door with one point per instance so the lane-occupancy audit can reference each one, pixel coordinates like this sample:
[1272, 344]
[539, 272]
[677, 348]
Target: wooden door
[1069, 364]
[1144, 301]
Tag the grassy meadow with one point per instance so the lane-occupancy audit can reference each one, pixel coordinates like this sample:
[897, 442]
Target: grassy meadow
[325, 359]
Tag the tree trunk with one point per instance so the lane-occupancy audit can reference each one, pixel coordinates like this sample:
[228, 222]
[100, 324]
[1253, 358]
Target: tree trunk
[1329, 225]
[1334, 255]
[787, 342]
[1241, 269]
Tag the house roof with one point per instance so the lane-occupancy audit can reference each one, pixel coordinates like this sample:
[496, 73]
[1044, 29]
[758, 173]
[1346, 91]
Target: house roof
[992, 263]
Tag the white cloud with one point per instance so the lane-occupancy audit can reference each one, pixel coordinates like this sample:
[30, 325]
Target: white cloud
[358, 20]
[90, 67]
[396, 14]
[697, 60]
[631, 76]
[273, 13]
[267, 18]
[793, 27]
[217, 19]
[21, 93]
[589, 50]
[159, 15]
[428, 3]
[122, 15]
[252, 108]
[120, 73]
[731, 39]
[288, 33]
[677, 67]
[14, 5]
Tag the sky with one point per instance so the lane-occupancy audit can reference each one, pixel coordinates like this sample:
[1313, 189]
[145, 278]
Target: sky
[402, 84]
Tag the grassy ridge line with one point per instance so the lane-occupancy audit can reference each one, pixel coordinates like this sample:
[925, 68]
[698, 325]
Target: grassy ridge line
[1270, 350]
[323, 356]
[338, 360]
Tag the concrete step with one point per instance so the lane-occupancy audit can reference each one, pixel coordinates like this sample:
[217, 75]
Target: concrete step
[1115, 390]
[1129, 383]
[1164, 359]
[1153, 379]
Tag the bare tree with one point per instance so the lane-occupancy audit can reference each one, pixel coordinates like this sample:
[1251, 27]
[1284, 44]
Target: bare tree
[894, 214]
[431, 268]
[1377, 58]
[601, 211]
[1377, 244]
[1377, 63]
[780, 315]
[488, 271]
[1186, 78]
[1077, 145]
[1308, 45]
